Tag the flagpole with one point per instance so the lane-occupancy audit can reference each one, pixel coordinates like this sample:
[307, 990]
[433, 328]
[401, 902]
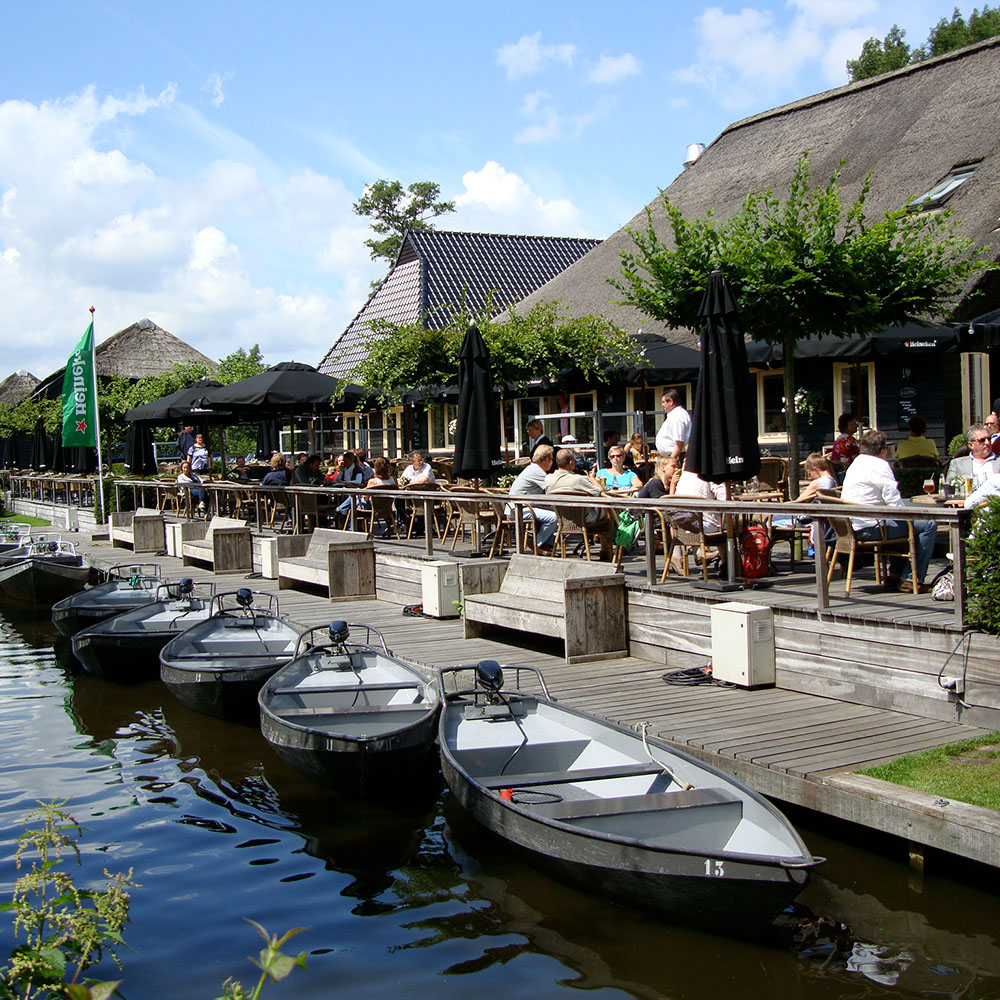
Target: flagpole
[97, 418]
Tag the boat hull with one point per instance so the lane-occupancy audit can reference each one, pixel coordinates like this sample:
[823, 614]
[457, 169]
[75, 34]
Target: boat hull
[127, 658]
[41, 580]
[70, 619]
[225, 693]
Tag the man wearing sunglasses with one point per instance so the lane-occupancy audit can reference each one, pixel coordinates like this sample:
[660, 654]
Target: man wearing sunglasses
[980, 463]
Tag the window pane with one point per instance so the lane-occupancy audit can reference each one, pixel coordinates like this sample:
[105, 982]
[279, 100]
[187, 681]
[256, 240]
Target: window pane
[437, 415]
[774, 403]
[854, 392]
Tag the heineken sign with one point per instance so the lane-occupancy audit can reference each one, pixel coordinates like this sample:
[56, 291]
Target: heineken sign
[79, 395]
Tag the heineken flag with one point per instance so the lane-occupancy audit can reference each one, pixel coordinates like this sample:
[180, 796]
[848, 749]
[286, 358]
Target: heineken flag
[79, 396]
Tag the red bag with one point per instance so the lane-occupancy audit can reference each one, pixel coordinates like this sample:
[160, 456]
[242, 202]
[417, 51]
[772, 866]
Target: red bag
[755, 547]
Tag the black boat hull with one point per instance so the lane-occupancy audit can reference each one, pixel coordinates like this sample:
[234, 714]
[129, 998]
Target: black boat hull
[37, 580]
[120, 657]
[226, 694]
[70, 620]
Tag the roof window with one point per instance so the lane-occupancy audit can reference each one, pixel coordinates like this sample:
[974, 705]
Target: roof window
[944, 189]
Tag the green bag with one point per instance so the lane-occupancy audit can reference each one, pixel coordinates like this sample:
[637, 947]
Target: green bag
[628, 530]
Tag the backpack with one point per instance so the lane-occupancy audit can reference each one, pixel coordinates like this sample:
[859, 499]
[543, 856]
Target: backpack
[755, 547]
[628, 530]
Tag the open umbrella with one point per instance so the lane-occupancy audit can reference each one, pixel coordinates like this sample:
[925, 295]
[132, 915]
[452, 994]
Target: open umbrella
[173, 406]
[477, 435]
[723, 445]
[139, 458]
[39, 448]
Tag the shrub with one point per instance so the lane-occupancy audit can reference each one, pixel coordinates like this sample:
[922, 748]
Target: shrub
[958, 441]
[982, 587]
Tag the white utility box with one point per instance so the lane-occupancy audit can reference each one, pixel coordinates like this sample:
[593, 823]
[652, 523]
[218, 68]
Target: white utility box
[439, 588]
[743, 644]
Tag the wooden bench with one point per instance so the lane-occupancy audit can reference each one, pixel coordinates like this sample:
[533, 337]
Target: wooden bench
[142, 529]
[342, 562]
[223, 542]
[581, 602]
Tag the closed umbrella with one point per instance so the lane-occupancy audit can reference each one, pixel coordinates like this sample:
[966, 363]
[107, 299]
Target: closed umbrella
[139, 458]
[268, 441]
[723, 445]
[7, 453]
[477, 435]
[57, 460]
[39, 448]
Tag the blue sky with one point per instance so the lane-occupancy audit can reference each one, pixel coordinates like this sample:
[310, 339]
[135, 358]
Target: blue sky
[195, 163]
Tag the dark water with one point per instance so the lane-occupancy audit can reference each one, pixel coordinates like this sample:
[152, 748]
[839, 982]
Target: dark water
[410, 899]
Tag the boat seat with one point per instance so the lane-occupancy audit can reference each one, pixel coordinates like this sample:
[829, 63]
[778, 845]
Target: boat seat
[568, 777]
[346, 688]
[288, 713]
[692, 798]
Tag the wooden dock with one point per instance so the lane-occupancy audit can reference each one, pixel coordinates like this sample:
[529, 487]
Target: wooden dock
[795, 746]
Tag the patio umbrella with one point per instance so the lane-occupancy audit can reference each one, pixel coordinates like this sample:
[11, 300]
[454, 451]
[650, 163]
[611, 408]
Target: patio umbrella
[477, 435]
[723, 443]
[139, 458]
[285, 388]
[81, 460]
[7, 453]
[174, 406]
[268, 440]
[39, 448]
[57, 461]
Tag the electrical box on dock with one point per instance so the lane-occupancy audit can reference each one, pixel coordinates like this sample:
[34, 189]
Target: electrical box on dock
[439, 588]
[743, 644]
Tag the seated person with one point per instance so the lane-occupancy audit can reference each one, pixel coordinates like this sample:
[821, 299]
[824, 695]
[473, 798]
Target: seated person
[366, 470]
[980, 463]
[583, 464]
[418, 471]
[350, 474]
[611, 438]
[990, 487]
[690, 484]
[821, 475]
[239, 471]
[637, 455]
[531, 482]
[382, 475]
[307, 473]
[870, 480]
[917, 445]
[185, 477]
[279, 474]
[566, 480]
[660, 482]
[845, 448]
[617, 477]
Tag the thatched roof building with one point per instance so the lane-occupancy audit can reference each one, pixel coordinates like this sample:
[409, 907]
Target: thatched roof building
[436, 270]
[16, 387]
[139, 350]
[916, 126]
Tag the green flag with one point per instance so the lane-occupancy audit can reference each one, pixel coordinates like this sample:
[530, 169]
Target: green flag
[79, 395]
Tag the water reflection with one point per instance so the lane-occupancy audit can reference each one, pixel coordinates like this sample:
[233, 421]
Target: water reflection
[411, 894]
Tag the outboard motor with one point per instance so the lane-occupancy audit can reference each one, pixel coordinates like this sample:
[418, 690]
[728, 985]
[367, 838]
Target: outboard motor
[244, 598]
[185, 587]
[489, 675]
[339, 632]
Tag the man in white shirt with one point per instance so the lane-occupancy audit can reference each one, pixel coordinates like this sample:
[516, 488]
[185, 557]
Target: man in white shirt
[674, 432]
[565, 479]
[531, 482]
[869, 480]
[980, 463]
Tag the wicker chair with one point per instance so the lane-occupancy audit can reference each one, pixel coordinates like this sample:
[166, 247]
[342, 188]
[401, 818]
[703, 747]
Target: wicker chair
[689, 533]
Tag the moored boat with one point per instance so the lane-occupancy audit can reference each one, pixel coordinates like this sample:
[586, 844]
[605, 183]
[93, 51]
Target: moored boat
[13, 534]
[128, 586]
[126, 649]
[218, 665]
[349, 714]
[627, 816]
[42, 571]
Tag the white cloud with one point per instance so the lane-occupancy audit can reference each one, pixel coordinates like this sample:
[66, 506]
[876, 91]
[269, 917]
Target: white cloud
[835, 12]
[528, 55]
[215, 85]
[611, 69]
[498, 200]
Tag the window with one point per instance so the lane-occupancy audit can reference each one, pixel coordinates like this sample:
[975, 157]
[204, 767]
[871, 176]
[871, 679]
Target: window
[771, 406]
[944, 189]
[648, 400]
[439, 418]
[854, 392]
[975, 388]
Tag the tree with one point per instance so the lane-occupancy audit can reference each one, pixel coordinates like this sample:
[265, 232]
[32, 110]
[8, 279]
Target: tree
[239, 365]
[893, 53]
[394, 210]
[880, 56]
[801, 267]
[523, 348]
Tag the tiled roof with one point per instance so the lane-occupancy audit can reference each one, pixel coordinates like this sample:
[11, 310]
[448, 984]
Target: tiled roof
[436, 268]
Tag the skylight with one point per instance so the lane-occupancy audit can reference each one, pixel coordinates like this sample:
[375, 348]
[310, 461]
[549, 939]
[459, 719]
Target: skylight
[944, 188]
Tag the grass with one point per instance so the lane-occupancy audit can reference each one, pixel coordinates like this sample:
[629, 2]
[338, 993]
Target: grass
[966, 772]
[35, 522]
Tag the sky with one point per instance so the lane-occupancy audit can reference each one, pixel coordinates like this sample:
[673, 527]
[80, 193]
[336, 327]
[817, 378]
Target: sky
[196, 163]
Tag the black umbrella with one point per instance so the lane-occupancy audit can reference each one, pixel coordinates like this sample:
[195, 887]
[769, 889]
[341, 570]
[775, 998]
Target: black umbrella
[81, 460]
[6, 453]
[174, 406]
[280, 390]
[477, 437]
[57, 460]
[723, 445]
[139, 458]
[268, 439]
[39, 448]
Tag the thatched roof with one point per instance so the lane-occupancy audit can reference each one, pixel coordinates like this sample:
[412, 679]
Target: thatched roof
[913, 125]
[140, 349]
[16, 387]
[437, 269]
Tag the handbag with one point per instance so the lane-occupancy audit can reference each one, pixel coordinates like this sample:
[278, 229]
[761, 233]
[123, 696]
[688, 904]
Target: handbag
[628, 530]
[944, 587]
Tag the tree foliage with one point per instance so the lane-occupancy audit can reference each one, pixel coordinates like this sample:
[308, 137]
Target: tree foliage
[239, 365]
[394, 209]
[982, 578]
[802, 266]
[523, 347]
[948, 34]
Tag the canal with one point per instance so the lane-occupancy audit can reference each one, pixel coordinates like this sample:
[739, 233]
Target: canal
[409, 896]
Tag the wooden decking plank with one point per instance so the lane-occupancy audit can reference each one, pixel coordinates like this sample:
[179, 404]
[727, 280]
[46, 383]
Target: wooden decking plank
[774, 731]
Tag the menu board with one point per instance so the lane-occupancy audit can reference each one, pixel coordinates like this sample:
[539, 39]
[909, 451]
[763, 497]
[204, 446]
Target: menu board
[908, 403]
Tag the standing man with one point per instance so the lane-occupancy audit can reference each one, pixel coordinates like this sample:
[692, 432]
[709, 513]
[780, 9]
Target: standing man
[535, 437]
[869, 480]
[674, 432]
[185, 440]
